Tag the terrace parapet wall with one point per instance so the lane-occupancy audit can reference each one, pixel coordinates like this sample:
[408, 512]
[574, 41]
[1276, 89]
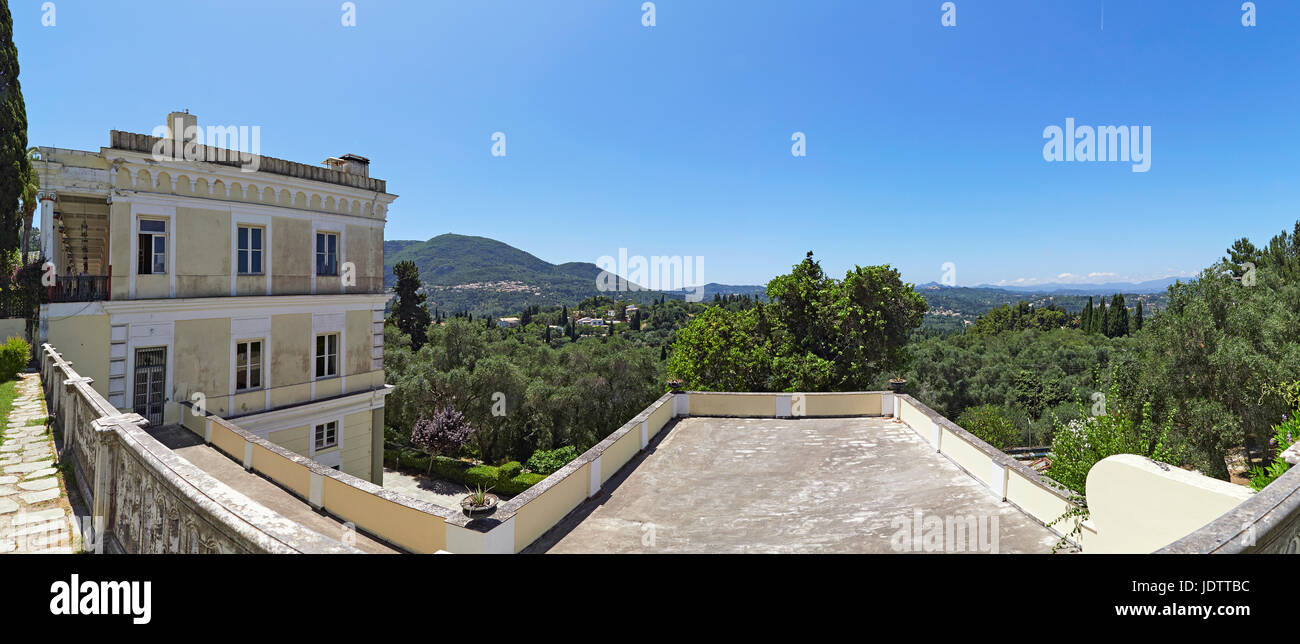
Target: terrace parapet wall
[146, 499]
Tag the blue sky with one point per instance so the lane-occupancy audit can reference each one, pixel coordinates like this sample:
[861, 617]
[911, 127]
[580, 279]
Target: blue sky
[924, 142]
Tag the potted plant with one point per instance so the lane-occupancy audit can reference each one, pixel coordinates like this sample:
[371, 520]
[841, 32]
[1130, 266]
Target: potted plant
[675, 385]
[479, 503]
[896, 384]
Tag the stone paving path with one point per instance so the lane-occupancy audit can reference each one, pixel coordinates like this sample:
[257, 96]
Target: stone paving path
[35, 516]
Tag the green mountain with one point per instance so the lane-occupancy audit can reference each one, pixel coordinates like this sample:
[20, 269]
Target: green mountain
[488, 277]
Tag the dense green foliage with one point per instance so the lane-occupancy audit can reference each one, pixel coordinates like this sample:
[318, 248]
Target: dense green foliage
[14, 356]
[519, 392]
[546, 462]
[1080, 443]
[817, 334]
[989, 424]
[1032, 374]
[15, 167]
[409, 312]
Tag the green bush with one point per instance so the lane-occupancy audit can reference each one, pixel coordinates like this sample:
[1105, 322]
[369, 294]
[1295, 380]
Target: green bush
[508, 479]
[13, 358]
[481, 476]
[988, 423]
[519, 483]
[547, 462]
[509, 471]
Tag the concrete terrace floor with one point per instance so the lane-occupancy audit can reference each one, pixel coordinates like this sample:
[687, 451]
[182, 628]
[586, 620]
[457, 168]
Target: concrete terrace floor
[809, 485]
[190, 447]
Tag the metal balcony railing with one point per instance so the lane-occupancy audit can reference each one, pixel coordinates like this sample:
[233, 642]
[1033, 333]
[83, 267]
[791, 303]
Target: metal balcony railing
[80, 288]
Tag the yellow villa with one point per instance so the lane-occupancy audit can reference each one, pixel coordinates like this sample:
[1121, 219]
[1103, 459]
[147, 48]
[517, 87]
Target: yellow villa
[185, 276]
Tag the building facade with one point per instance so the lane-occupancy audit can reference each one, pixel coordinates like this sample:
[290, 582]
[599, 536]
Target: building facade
[244, 285]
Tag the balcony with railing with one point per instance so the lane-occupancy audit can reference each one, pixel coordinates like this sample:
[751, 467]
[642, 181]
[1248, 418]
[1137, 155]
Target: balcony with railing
[80, 288]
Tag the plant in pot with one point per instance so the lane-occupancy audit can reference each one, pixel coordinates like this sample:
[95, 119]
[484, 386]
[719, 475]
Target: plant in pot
[675, 385]
[896, 384]
[479, 502]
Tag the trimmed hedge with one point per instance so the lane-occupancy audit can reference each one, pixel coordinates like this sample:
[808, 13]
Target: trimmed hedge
[507, 479]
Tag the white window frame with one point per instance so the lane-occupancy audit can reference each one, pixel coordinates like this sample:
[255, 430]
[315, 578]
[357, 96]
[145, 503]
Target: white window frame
[316, 254]
[260, 250]
[317, 355]
[315, 436]
[153, 236]
[247, 369]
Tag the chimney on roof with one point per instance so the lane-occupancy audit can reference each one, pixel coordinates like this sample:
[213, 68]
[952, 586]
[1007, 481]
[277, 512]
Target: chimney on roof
[182, 127]
[350, 163]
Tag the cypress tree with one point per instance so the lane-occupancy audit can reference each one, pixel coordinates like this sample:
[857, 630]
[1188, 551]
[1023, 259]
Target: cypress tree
[1085, 319]
[1119, 316]
[15, 167]
[1137, 318]
[1101, 321]
[410, 314]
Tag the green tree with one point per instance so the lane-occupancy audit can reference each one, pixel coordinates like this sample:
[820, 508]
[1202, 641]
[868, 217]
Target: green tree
[15, 166]
[988, 423]
[1137, 317]
[409, 313]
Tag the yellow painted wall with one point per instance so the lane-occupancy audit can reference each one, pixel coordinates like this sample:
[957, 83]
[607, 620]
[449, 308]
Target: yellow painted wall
[407, 527]
[365, 248]
[294, 439]
[919, 422]
[227, 440]
[83, 341]
[294, 256]
[119, 232]
[360, 342]
[202, 245]
[202, 361]
[538, 515]
[328, 387]
[357, 444]
[1036, 500]
[1139, 506]
[846, 404]
[658, 418]
[249, 402]
[290, 360]
[723, 404]
[977, 463]
[617, 455]
[282, 470]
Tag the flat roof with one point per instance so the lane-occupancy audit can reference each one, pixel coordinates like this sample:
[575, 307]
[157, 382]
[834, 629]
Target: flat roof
[190, 447]
[807, 485]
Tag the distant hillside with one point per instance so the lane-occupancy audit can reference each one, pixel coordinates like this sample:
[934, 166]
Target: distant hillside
[952, 306]
[488, 277]
[1149, 286]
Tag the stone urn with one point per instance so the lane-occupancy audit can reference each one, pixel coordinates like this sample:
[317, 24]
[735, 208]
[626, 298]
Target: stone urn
[476, 507]
[896, 384]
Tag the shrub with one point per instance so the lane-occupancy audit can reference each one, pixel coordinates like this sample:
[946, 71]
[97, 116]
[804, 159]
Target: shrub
[547, 462]
[441, 433]
[1284, 436]
[481, 475]
[509, 471]
[519, 483]
[14, 356]
[988, 423]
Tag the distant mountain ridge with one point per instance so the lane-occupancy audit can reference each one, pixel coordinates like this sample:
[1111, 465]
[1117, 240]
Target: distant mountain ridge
[1148, 286]
[488, 277]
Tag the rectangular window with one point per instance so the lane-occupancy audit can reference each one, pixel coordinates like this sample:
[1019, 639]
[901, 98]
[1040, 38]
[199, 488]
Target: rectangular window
[327, 355]
[248, 365]
[152, 247]
[327, 435]
[250, 250]
[327, 253]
